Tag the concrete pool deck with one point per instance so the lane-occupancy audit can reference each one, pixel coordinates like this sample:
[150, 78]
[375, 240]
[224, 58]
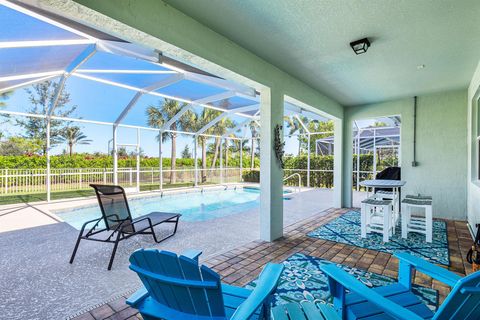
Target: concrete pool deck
[39, 283]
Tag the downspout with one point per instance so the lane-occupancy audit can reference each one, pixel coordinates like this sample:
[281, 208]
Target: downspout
[414, 162]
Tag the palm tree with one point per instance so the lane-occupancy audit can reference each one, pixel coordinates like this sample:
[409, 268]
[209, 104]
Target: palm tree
[157, 117]
[194, 122]
[293, 127]
[254, 129]
[220, 129]
[73, 136]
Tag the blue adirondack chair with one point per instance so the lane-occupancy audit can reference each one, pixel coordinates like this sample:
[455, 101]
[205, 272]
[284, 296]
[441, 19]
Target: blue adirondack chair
[176, 287]
[397, 301]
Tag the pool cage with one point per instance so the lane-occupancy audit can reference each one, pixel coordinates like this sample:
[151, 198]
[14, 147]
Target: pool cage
[38, 46]
[374, 148]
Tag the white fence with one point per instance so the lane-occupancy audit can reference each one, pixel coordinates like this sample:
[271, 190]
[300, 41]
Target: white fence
[26, 181]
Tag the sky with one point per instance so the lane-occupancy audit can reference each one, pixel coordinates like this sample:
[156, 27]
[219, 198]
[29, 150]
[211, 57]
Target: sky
[94, 100]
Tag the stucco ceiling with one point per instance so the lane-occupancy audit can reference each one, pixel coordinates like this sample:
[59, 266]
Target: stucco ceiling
[310, 40]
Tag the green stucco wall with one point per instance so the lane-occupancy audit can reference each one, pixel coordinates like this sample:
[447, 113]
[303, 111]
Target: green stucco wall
[441, 148]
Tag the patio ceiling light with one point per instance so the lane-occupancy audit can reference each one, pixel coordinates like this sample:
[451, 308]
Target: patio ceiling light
[360, 46]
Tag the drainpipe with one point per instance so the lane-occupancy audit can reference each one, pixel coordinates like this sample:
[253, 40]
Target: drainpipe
[414, 162]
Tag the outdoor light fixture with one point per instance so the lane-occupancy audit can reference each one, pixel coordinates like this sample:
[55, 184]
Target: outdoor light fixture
[360, 46]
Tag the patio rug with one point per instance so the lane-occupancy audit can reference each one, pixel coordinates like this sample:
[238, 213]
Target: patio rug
[346, 229]
[302, 280]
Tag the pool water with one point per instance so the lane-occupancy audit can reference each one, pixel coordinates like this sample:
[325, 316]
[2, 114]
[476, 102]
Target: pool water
[193, 206]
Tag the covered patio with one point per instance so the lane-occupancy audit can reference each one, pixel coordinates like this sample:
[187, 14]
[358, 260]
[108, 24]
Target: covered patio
[409, 92]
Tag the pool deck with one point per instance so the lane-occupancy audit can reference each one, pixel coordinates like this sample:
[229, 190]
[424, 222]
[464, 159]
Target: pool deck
[241, 265]
[39, 283]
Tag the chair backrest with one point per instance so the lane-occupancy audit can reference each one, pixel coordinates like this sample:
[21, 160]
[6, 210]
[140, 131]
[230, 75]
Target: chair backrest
[390, 173]
[463, 302]
[179, 283]
[114, 206]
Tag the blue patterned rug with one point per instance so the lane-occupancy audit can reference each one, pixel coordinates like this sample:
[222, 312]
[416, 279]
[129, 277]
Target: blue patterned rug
[302, 280]
[346, 229]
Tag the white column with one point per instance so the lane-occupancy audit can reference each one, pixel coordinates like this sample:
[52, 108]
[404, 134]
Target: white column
[196, 159]
[374, 153]
[115, 156]
[138, 159]
[241, 159]
[308, 161]
[339, 184]
[221, 161]
[160, 157]
[271, 184]
[48, 178]
[358, 159]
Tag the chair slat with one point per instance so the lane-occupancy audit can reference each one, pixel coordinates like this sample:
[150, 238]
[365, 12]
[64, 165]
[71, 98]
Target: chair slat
[172, 268]
[215, 297]
[313, 312]
[138, 258]
[279, 313]
[199, 298]
[295, 312]
[150, 262]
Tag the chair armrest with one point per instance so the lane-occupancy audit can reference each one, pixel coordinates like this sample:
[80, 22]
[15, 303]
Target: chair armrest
[434, 271]
[137, 296]
[349, 282]
[266, 285]
[192, 254]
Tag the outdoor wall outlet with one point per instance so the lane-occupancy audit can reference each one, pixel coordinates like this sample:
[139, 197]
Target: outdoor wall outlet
[414, 163]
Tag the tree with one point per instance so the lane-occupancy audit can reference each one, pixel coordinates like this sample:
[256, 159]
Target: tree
[317, 126]
[18, 146]
[4, 96]
[41, 97]
[73, 136]
[219, 129]
[186, 154]
[194, 122]
[254, 130]
[158, 116]
[294, 126]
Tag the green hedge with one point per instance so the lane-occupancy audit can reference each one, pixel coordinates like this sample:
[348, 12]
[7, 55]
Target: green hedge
[318, 179]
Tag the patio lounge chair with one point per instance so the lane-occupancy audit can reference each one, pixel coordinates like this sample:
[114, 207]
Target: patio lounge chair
[176, 287]
[396, 301]
[119, 224]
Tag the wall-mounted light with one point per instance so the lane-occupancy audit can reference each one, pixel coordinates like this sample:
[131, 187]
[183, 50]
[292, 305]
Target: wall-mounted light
[360, 46]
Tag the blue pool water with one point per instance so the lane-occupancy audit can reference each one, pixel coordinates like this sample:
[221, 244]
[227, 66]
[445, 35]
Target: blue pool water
[193, 206]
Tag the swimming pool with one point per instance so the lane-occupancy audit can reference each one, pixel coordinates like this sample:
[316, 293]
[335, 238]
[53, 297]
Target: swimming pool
[194, 206]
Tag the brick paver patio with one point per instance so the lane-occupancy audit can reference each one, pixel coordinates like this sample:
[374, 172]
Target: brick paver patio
[241, 265]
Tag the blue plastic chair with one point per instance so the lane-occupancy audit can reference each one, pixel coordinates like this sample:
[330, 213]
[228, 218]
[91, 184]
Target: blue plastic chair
[396, 301]
[176, 287]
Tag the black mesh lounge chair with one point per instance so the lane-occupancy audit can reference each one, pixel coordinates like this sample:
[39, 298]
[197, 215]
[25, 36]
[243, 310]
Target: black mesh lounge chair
[119, 224]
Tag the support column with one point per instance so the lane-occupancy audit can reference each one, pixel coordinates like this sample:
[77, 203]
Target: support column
[138, 159]
[358, 159]
[196, 159]
[374, 153]
[271, 177]
[339, 197]
[221, 161]
[48, 178]
[346, 155]
[115, 156]
[160, 159]
[308, 161]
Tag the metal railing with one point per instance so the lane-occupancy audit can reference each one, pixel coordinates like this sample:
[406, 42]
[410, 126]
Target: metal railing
[28, 181]
[299, 188]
